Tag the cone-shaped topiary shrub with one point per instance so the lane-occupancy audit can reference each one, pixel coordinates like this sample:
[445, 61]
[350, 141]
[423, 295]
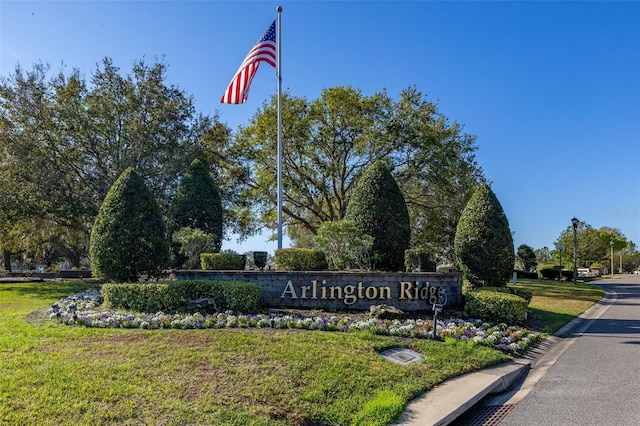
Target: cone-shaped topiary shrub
[483, 242]
[378, 209]
[128, 238]
[196, 205]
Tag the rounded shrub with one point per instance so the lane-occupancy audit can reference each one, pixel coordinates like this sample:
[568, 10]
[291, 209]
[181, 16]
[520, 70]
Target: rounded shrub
[128, 236]
[377, 208]
[483, 243]
[196, 204]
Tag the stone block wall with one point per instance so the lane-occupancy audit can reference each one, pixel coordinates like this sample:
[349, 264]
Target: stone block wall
[344, 290]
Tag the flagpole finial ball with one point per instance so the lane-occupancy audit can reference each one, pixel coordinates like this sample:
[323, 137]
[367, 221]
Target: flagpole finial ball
[279, 9]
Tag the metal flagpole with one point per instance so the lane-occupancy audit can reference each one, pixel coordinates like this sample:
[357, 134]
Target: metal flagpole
[279, 77]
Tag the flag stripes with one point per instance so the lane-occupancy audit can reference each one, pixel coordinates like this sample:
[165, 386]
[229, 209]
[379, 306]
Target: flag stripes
[264, 51]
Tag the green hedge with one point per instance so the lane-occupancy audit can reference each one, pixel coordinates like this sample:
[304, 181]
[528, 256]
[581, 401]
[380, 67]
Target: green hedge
[496, 306]
[522, 292]
[299, 259]
[567, 274]
[527, 274]
[174, 296]
[223, 261]
[553, 272]
[550, 272]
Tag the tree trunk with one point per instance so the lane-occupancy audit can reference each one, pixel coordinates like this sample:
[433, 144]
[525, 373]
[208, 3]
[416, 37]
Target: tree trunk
[6, 255]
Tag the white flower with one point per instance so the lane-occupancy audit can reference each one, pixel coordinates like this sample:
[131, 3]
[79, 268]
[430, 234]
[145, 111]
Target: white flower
[478, 339]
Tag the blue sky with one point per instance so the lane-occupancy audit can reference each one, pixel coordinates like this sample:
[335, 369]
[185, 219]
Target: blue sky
[550, 89]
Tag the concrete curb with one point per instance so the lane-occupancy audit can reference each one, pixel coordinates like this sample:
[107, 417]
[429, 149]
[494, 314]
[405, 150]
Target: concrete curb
[447, 401]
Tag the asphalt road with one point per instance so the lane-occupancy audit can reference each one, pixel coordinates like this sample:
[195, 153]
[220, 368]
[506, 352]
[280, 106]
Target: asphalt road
[596, 380]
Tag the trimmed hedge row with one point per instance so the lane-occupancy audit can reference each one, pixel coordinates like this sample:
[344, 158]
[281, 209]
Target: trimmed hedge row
[552, 272]
[496, 306]
[299, 259]
[175, 296]
[223, 261]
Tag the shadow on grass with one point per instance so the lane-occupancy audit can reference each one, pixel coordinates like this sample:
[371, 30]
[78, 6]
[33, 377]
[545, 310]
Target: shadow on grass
[545, 321]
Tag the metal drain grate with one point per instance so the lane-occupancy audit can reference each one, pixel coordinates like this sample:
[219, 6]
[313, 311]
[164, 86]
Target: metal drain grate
[488, 415]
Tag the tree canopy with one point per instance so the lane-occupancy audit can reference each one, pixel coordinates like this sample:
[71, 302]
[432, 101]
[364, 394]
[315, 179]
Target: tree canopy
[196, 203]
[594, 245]
[329, 142]
[196, 206]
[64, 142]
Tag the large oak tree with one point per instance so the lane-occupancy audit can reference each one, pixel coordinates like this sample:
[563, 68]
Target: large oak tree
[328, 142]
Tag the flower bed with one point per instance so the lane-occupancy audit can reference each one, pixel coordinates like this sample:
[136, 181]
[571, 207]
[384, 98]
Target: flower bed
[84, 309]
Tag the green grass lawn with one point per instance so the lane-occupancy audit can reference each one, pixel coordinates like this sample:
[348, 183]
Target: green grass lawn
[555, 303]
[56, 374]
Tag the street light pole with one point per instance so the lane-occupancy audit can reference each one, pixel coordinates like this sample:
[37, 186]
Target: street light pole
[560, 247]
[612, 270]
[620, 262]
[575, 223]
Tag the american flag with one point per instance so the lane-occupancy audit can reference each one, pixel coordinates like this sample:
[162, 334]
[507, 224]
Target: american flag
[264, 50]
